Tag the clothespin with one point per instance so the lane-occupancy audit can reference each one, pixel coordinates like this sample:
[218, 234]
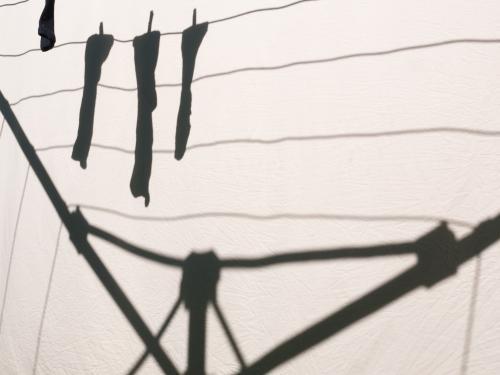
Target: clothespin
[150, 21]
[194, 17]
[101, 29]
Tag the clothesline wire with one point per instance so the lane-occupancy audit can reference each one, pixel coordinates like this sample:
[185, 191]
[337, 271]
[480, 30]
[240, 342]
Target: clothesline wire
[273, 217]
[13, 245]
[14, 4]
[306, 138]
[472, 317]
[127, 41]
[1, 128]
[277, 67]
[224, 19]
[46, 301]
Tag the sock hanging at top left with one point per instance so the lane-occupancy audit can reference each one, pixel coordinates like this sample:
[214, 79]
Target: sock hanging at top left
[46, 26]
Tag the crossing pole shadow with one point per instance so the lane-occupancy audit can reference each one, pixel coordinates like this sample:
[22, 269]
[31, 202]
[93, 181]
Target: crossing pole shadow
[439, 255]
[77, 227]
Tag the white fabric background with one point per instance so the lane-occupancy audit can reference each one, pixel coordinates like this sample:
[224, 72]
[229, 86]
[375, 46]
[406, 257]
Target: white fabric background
[421, 176]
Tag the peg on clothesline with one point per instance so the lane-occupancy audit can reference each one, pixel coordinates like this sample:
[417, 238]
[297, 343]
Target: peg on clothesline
[150, 22]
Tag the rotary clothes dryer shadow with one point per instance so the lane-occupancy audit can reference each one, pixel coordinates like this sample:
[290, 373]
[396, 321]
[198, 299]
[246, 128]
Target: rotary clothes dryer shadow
[439, 255]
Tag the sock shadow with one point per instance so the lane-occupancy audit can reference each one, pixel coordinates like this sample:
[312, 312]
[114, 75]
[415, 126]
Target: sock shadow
[96, 52]
[146, 48]
[46, 27]
[191, 41]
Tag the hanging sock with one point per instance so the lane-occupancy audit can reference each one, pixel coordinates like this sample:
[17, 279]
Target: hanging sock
[146, 48]
[46, 26]
[191, 41]
[96, 52]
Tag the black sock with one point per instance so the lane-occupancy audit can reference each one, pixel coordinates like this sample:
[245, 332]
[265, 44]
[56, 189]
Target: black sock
[46, 26]
[96, 52]
[191, 41]
[146, 49]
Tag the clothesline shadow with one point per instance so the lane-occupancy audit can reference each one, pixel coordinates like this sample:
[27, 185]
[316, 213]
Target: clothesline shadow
[96, 52]
[14, 3]
[288, 65]
[287, 139]
[438, 254]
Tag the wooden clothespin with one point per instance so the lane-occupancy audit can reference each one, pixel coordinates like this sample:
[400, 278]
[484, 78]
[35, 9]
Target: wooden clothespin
[150, 23]
[101, 29]
[194, 17]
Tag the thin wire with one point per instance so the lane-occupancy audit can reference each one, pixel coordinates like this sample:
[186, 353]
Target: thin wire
[169, 32]
[36, 96]
[260, 10]
[13, 246]
[472, 317]
[267, 142]
[272, 217]
[277, 67]
[46, 303]
[1, 129]
[13, 4]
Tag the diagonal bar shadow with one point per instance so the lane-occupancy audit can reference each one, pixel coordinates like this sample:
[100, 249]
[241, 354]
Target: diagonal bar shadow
[328, 254]
[161, 331]
[133, 249]
[439, 255]
[229, 334]
[77, 227]
[433, 267]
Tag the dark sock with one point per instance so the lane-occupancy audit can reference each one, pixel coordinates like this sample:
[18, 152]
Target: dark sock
[146, 49]
[191, 41]
[46, 26]
[96, 52]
